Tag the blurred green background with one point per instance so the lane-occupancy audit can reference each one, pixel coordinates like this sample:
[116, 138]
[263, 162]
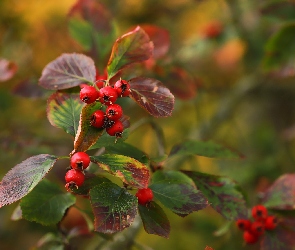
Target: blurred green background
[239, 102]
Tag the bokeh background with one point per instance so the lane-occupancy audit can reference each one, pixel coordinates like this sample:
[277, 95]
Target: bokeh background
[217, 52]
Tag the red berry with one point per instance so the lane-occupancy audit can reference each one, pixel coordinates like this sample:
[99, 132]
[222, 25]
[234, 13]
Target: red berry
[257, 228]
[107, 95]
[270, 223]
[144, 195]
[80, 161]
[250, 238]
[74, 178]
[116, 129]
[114, 112]
[243, 224]
[100, 79]
[259, 212]
[89, 94]
[98, 119]
[122, 87]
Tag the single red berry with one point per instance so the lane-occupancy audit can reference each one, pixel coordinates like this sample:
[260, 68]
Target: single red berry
[107, 95]
[89, 94]
[257, 228]
[122, 87]
[243, 224]
[259, 212]
[270, 222]
[114, 112]
[100, 79]
[74, 178]
[98, 119]
[80, 161]
[116, 129]
[250, 238]
[144, 195]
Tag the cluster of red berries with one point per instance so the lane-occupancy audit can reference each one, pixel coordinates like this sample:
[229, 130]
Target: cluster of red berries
[254, 229]
[75, 176]
[107, 95]
[144, 196]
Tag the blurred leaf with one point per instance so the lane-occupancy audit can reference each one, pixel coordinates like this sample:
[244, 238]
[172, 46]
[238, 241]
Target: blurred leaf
[280, 48]
[132, 47]
[225, 228]
[222, 193]
[281, 194]
[63, 111]
[50, 241]
[129, 170]
[152, 95]
[7, 69]
[114, 208]
[29, 88]
[177, 192]
[154, 219]
[203, 148]
[21, 179]
[17, 213]
[284, 10]
[46, 204]
[87, 135]
[67, 71]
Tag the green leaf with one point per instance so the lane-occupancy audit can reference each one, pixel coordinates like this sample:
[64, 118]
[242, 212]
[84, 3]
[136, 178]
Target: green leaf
[132, 47]
[67, 71]
[177, 192]
[129, 170]
[128, 150]
[203, 148]
[154, 219]
[280, 195]
[63, 111]
[21, 179]
[87, 135]
[222, 193]
[46, 204]
[280, 48]
[114, 208]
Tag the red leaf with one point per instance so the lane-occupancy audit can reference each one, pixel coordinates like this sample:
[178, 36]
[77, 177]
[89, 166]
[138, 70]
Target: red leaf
[7, 70]
[152, 95]
[29, 88]
[67, 71]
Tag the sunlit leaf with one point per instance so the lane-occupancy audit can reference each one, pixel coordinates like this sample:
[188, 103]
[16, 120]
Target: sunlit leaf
[132, 47]
[281, 194]
[7, 69]
[21, 179]
[67, 71]
[154, 219]
[63, 111]
[222, 193]
[129, 170]
[177, 192]
[87, 135]
[114, 208]
[203, 148]
[152, 95]
[46, 204]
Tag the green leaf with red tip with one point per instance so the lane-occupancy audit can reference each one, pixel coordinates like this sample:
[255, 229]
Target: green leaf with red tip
[87, 135]
[177, 192]
[129, 170]
[67, 71]
[203, 148]
[7, 69]
[21, 179]
[46, 204]
[63, 111]
[222, 193]
[281, 194]
[280, 48]
[154, 219]
[152, 95]
[114, 208]
[132, 47]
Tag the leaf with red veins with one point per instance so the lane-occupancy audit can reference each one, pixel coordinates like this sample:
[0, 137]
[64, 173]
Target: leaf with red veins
[152, 95]
[7, 70]
[132, 47]
[67, 71]
[21, 179]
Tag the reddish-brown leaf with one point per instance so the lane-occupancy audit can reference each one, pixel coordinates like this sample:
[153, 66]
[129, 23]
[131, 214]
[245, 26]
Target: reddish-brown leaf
[29, 88]
[152, 95]
[7, 69]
